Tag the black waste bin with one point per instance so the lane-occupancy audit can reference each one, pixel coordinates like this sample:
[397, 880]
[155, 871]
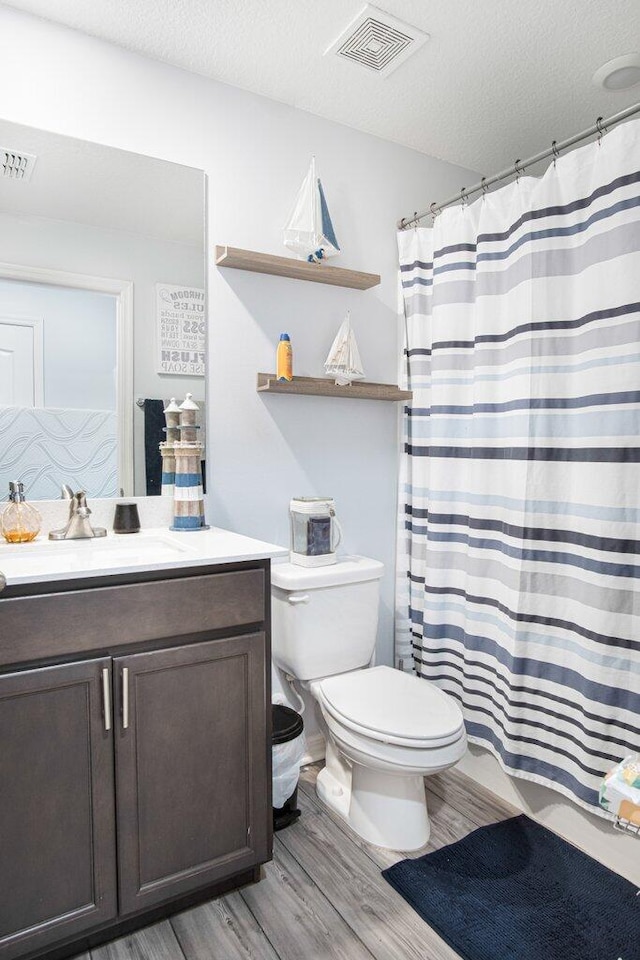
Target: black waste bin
[287, 726]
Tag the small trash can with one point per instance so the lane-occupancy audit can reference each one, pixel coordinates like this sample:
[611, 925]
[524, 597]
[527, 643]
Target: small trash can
[287, 751]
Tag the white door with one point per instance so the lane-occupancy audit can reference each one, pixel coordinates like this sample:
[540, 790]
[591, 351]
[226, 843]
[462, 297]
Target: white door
[20, 363]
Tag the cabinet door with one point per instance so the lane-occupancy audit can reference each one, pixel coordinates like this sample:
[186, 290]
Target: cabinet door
[57, 833]
[193, 788]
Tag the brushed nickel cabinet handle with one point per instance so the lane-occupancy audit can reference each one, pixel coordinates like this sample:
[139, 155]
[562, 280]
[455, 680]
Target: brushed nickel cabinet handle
[106, 696]
[125, 698]
[3, 581]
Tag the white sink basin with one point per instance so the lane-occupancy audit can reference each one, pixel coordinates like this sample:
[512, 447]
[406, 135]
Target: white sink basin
[153, 549]
[78, 556]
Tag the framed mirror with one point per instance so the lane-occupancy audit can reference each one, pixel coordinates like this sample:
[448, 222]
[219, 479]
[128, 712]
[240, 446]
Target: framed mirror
[102, 311]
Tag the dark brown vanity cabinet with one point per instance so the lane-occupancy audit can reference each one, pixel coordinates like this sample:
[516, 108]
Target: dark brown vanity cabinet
[134, 779]
[190, 729]
[57, 826]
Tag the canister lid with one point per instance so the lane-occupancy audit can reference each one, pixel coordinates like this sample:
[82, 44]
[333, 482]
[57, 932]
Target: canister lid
[311, 505]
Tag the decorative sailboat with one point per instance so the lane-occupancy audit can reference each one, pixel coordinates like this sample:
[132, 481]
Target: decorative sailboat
[309, 231]
[343, 362]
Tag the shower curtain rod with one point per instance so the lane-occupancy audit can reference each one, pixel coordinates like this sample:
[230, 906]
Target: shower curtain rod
[519, 167]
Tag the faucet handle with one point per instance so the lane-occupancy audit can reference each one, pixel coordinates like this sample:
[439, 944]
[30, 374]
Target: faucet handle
[66, 493]
[80, 504]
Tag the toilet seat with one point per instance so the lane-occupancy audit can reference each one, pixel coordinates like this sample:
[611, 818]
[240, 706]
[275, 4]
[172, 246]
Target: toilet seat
[391, 757]
[392, 707]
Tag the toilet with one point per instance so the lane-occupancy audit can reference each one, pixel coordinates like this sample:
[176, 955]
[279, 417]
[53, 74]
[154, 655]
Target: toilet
[385, 730]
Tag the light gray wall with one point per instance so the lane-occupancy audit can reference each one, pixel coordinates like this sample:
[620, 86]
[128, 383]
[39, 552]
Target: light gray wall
[80, 248]
[79, 340]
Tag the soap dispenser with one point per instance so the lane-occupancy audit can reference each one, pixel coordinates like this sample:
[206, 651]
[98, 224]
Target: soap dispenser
[19, 521]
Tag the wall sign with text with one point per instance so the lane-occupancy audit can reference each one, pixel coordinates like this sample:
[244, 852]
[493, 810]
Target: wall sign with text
[181, 321]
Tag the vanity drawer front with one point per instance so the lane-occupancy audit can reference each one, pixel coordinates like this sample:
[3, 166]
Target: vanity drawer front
[56, 624]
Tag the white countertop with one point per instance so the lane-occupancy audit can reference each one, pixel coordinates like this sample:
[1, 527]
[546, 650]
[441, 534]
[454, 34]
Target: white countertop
[155, 549]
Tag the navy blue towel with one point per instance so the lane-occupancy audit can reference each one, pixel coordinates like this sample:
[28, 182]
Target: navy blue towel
[154, 423]
[517, 891]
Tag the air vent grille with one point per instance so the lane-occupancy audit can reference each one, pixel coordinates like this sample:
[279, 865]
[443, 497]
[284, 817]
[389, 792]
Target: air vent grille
[16, 165]
[377, 41]
[374, 44]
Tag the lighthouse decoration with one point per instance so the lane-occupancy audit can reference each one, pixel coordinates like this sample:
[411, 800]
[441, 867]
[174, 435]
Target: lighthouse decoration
[182, 465]
[172, 435]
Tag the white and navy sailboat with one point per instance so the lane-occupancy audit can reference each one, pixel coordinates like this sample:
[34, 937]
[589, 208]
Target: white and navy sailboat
[309, 231]
[343, 362]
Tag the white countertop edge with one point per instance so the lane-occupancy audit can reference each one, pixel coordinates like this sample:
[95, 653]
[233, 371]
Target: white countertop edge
[201, 548]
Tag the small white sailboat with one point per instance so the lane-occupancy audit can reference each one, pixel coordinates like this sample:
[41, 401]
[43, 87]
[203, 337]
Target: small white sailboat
[309, 231]
[343, 362]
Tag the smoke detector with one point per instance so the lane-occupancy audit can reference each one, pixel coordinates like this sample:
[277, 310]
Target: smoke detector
[16, 165]
[377, 41]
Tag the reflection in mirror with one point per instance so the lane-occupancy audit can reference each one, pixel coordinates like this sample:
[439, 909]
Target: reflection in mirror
[102, 303]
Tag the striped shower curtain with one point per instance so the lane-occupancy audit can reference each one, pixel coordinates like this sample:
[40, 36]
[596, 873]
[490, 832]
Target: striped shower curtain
[519, 542]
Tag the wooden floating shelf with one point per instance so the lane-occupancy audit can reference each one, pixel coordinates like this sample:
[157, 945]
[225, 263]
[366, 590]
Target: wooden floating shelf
[294, 269]
[318, 387]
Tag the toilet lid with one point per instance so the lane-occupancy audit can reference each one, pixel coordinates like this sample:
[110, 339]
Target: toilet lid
[388, 704]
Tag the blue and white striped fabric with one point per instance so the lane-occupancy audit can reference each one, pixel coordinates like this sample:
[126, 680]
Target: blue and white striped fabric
[519, 543]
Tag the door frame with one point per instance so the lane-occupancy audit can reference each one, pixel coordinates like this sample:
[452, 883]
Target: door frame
[123, 292]
[36, 324]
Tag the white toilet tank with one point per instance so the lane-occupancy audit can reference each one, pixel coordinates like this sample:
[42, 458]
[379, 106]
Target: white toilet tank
[324, 619]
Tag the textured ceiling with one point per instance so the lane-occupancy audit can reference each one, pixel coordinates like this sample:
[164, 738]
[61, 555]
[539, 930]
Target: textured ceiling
[498, 79]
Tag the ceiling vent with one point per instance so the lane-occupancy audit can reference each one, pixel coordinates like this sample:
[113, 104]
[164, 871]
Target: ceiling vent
[16, 165]
[377, 41]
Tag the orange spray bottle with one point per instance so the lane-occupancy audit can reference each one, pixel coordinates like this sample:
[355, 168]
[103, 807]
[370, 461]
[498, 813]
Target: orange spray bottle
[284, 358]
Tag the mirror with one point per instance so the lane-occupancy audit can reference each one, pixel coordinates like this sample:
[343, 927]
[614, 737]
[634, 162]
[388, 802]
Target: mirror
[102, 311]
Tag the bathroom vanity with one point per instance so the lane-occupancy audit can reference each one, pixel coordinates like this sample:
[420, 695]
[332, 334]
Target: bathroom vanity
[135, 725]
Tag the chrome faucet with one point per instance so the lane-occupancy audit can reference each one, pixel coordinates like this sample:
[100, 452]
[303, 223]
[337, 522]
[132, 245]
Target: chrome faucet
[78, 526]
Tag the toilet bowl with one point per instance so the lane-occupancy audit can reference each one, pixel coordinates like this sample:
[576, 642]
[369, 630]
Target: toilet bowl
[385, 730]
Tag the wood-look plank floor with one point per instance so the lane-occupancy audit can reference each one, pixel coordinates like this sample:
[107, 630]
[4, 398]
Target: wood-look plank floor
[322, 897]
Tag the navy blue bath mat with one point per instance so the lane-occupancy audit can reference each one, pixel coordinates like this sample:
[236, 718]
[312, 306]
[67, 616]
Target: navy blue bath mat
[516, 891]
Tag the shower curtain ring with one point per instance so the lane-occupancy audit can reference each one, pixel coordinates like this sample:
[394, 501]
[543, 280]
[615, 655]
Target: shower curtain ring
[518, 170]
[555, 151]
[463, 197]
[485, 188]
[434, 213]
[601, 129]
